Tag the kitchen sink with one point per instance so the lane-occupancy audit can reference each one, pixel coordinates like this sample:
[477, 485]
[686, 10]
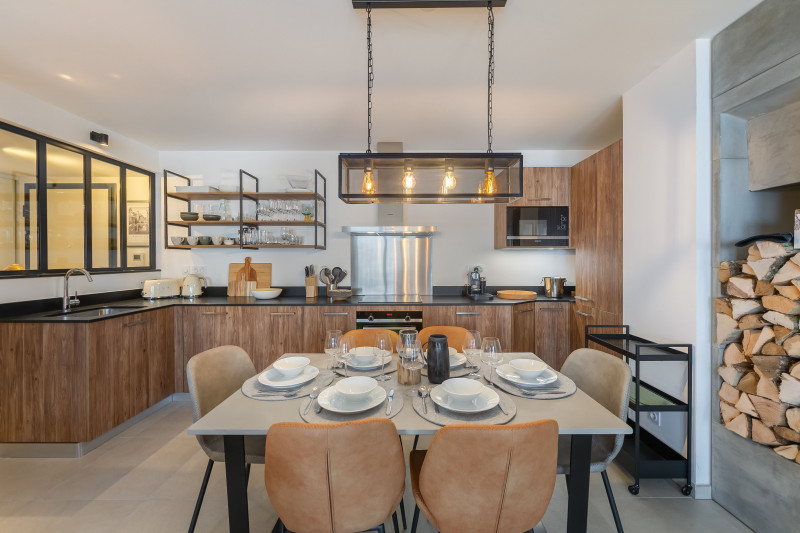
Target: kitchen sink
[96, 312]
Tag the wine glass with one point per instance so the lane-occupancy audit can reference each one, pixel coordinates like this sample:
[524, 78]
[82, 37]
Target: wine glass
[346, 346]
[383, 347]
[491, 354]
[471, 348]
[412, 356]
[333, 339]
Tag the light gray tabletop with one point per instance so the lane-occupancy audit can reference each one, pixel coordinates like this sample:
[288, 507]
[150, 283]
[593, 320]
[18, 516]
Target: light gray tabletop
[239, 415]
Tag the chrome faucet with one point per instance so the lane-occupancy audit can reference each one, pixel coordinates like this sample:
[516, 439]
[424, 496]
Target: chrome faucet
[68, 302]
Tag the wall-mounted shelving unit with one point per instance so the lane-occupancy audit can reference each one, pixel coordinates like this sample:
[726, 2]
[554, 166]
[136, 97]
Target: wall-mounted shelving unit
[316, 197]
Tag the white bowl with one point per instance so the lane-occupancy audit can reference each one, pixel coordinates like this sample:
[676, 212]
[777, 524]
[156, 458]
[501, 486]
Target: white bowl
[191, 240]
[356, 388]
[217, 239]
[452, 351]
[298, 182]
[528, 368]
[176, 240]
[291, 366]
[462, 389]
[266, 294]
[363, 354]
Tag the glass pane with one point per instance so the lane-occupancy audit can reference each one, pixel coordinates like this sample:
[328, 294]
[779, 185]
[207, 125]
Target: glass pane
[105, 214]
[65, 242]
[139, 217]
[18, 228]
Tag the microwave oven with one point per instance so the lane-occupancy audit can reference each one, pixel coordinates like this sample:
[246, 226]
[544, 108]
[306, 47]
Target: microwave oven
[545, 227]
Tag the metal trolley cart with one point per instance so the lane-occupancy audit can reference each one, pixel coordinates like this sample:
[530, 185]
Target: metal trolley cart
[645, 398]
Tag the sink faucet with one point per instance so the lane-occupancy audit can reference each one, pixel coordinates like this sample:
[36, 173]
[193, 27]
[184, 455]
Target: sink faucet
[68, 302]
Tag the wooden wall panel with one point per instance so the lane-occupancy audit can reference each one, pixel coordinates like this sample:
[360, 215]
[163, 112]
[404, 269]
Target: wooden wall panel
[608, 250]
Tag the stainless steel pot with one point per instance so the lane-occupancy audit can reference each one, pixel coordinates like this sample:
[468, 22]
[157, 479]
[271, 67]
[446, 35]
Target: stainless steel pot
[553, 287]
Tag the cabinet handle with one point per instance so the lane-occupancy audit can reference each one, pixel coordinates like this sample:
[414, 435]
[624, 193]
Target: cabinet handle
[334, 314]
[581, 298]
[541, 198]
[583, 314]
[213, 312]
[467, 313]
[137, 323]
[526, 311]
[282, 314]
[553, 309]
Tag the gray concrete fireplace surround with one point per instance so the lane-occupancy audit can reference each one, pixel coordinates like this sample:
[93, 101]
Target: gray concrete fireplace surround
[755, 80]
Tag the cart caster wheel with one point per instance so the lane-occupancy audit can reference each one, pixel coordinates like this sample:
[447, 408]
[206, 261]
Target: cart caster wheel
[633, 489]
[686, 490]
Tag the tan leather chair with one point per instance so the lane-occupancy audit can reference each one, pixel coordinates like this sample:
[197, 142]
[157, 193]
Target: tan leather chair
[214, 375]
[606, 378]
[455, 335]
[366, 337]
[486, 478]
[335, 477]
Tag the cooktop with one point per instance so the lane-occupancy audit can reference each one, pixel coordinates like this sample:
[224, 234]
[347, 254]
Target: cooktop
[387, 298]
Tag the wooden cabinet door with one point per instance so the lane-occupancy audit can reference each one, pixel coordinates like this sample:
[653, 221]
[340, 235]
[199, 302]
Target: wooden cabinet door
[206, 327]
[161, 366]
[552, 332]
[135, 335]
[318, 319]
[583, 226]
[580, 317]
[439, 315]
[607, 252]
[489, 320]
[12, 355]
[545, 186]
[523, 327]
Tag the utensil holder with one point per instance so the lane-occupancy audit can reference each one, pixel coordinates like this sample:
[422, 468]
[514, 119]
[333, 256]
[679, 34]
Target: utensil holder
[311, 287]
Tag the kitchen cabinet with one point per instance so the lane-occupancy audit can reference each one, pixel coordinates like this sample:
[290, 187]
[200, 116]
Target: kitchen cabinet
[317, 320]
[206, 327]
[490, 320]
[552, 341]
[524, 317]
[267, 332]
[545, 186]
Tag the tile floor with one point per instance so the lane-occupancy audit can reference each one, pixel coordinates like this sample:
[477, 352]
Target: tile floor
[147, 478]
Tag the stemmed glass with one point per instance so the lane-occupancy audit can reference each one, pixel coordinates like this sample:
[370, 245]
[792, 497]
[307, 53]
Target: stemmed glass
[346, 346]
[383, 347]
[491, 354]
[471, 348]
[333, 339]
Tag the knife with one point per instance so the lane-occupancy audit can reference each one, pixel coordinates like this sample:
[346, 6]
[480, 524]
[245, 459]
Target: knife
[389, 405]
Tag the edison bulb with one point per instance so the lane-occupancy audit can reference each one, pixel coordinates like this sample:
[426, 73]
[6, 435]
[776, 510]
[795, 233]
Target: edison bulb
[409, 181]
[489, 183]
[449, 181]
[368, 185]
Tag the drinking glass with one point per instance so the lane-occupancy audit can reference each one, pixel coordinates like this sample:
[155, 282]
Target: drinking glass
[346, 346]
[405, 337]
[412, 356]
[471, 348]
[491, 354]
[383, 347]
[333, 339]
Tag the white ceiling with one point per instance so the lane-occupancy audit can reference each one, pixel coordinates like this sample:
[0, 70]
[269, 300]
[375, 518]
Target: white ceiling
[291, 74]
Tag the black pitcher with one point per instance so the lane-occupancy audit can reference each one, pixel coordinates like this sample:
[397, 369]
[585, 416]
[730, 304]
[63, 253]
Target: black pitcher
[438, 359]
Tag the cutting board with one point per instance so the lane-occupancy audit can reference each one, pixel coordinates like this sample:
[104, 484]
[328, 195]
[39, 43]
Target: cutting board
[241, 287]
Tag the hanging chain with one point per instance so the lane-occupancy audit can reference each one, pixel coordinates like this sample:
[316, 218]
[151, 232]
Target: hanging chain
[370, 78]
[491, 73]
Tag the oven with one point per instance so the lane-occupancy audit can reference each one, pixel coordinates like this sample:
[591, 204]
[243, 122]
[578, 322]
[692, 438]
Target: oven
[537, 226]
[389, 319]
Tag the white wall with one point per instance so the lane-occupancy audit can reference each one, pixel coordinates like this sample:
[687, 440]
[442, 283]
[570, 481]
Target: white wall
[666, 231]
[465, 233]
[31, 113]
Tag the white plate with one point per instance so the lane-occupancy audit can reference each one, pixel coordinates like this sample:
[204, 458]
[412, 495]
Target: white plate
[483, 402]
[291, 189]
[508, 373]
[331, 400]
[195, 188]
[272, 378]
[374, 365]
[457, 360]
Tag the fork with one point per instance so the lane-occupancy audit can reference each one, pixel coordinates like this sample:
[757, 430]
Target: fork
[290, 394]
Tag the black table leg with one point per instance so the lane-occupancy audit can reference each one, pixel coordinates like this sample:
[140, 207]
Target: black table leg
[236, 477]
[578, 493]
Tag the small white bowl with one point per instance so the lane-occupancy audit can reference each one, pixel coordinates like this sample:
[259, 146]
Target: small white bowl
[363, 354]
[528, 368]
[266, 294]
[191, 240]
[291, 366]
[462, 389]
[228, 242]
[217, 239]
[452, 351]
[356, 388]
[176, 240]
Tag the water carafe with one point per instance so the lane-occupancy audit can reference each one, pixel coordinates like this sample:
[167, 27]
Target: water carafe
[438, 359]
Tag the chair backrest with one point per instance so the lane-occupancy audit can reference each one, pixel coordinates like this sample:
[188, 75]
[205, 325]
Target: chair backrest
[455, 335]
[366, 337]
[607, 379]
[490, 478]
[215, 374]
[334, 477]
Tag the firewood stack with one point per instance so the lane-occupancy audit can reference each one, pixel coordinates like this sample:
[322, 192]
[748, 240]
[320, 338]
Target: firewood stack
[759, 398]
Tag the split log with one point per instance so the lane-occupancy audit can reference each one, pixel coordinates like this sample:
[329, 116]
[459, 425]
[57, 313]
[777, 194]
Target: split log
[727, 330]
[795, 259]
[794, 371]
[786, 434]
[781, 334]
[748, 270]
[728, 394]
[753, 254]
[792, 345]
[767, 388]
[772, 348]
[771, 413]
[777, 303]
[730, 374]
[748, 383]
[790, 451]
[787, 291]
[749, 339]
[790, 390]
[740, 425]
[741, 307]
[762, 434]
[796, 283]
[728, 269]
[755, 321]
[733, 354]
[724, 306]
[741, 287]
[745, 405]
[766, 269]
[774, 249]
[771, 367]
[779, 319]
[764, 288]
[793, 418]
[728, 412]
[789, 271]
[766, 335]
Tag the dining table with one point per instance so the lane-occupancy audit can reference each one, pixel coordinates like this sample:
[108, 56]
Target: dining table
[578, 416]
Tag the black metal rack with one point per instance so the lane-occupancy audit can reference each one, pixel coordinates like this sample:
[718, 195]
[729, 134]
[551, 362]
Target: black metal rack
[660, 461]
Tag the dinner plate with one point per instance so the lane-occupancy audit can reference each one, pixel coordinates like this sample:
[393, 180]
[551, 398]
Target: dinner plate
[483, 402]
[375, 364]
[508, 373]
[457, 360]
[272, 378]
[331, 400]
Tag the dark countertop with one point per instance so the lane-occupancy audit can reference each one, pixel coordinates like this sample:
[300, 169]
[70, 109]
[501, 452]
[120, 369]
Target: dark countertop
[129, 305]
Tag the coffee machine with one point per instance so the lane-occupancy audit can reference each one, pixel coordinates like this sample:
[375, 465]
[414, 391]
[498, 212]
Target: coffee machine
[476, 285]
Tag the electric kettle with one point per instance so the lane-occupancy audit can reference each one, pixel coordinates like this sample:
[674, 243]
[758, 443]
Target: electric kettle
[193, 285]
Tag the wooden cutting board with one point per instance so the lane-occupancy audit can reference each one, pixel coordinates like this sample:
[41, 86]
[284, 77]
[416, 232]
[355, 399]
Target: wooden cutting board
[516, 295]
[238, 286]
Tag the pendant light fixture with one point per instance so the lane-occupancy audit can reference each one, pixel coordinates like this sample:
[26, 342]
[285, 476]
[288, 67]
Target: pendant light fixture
[455, 177]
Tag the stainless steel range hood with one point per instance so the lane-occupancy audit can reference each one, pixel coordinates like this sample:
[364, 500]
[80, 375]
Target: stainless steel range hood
[391, 260]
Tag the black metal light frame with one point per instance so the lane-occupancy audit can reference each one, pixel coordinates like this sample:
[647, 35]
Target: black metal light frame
[399, 4]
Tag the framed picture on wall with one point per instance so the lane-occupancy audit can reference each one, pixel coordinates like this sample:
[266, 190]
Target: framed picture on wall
[138, 224]
[138, 256]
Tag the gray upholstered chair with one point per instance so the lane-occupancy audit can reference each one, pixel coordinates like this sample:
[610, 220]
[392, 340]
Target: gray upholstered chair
[213, 376]
[606, 378]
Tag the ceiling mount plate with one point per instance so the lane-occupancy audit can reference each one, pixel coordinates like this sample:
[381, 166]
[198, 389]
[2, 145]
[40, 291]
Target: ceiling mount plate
[397, 4]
